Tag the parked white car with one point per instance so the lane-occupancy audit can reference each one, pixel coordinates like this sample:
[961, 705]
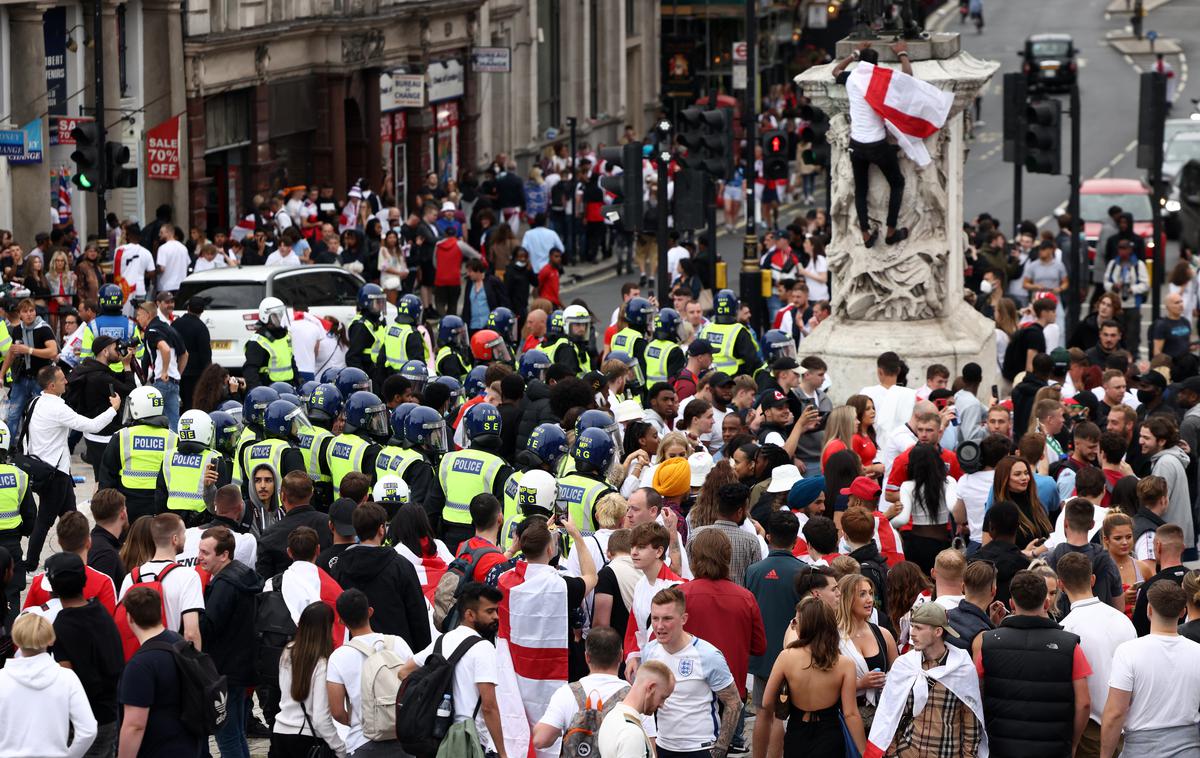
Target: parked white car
[236, 293]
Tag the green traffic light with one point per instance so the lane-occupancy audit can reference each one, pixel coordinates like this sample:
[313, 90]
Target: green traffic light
[83, 181]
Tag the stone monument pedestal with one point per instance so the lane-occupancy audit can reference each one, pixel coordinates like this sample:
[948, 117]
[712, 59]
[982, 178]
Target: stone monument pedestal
[908, 297]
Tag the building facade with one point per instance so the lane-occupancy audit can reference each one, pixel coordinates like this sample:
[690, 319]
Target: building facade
[47, 84]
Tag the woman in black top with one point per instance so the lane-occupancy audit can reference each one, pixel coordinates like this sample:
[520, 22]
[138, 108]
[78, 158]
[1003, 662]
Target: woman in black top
[1014, 481]
[872, 649]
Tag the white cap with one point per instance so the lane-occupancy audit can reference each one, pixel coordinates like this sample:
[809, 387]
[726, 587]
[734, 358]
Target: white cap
[449, 206]
[783, 477]
[701, 463]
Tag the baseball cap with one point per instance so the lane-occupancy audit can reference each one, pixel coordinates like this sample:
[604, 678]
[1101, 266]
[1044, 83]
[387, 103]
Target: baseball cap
[772, 399]
[1192, 383]
[1154, 379]
[165, 296]
[596, 380]
[700, 347]
[197, 303]
[932, 614]
[785, 364]
[341, 514]
[720, 379]
[66, 573]
[100, 343]
[863, 487]
[449, 207]
[1061, 357]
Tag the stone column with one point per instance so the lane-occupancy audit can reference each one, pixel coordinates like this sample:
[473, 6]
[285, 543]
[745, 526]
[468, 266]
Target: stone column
[337, 132]
[906, 297]
[27, 79]
[371, 117]
[164, 96]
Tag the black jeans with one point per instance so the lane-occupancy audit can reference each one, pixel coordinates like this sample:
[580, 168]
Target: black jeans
[884, 155]
[55, 497]
[10, 539]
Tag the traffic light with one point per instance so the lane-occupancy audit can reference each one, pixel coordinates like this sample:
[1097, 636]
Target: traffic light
[817, 153]
[86, 156]
[626, 186]
[116, 156]
[1152, 116]
[691, 137]
[1043, 136]
[718, 144]
[687, 202]
[775, 162]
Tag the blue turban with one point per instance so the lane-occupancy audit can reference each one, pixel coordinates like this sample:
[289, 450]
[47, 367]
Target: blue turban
[805, 492]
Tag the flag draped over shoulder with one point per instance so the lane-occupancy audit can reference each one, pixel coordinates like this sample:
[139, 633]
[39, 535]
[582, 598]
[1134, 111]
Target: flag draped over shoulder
[910, 108]
[531, 651]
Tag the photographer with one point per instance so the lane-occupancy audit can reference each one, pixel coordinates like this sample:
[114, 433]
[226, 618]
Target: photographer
[91, 384]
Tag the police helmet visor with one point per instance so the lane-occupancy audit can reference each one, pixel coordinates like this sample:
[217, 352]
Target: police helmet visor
[375, 421]
[579, 329]
[276, 316]
[536, 371]
[418, 380]
[435, 436]
[458, 339]
[376, 303]
[783, 350]
[500, 351]
[227, 438]
[510, 333]
[298, 424]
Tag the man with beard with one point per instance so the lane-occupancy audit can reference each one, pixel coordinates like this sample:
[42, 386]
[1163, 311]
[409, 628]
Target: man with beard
[477, 673]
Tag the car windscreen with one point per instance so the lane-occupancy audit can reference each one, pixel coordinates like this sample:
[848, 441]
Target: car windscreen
[1183, 149]
[1095, 207]
[226, 295]
[1050, 49]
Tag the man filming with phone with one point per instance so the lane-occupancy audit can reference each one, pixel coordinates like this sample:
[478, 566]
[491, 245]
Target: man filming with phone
[90, 385]
[812, 375]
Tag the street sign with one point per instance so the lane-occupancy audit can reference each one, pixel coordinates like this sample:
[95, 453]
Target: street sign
[740, 53]
[739, 76]
[162, 150]
[398, 90]
[491, 60]
[65, 125]
[12, 142]
[1151, 35]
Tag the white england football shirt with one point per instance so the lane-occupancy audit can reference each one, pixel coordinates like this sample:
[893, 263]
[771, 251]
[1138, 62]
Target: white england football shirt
[688, 720]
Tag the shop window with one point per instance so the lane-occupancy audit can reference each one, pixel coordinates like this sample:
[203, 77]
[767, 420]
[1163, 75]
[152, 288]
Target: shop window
[227, 120]
[549, 65]
[122, 49]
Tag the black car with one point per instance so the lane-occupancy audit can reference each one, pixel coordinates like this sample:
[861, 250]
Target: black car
[1049, 62]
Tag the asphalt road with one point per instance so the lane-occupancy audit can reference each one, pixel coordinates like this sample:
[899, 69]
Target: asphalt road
[1109, 98]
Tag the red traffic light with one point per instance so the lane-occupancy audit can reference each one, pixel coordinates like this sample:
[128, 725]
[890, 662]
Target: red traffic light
[776, 145]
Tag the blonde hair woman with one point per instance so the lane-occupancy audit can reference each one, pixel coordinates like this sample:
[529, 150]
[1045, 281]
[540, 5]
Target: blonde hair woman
[32, 687]
[840, 427]
[62, 285]
[671, 445]
[871, 648]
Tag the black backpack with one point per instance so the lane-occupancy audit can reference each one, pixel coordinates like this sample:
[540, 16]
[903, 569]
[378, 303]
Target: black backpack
[422, 693]
[273, 630]
[203, 695]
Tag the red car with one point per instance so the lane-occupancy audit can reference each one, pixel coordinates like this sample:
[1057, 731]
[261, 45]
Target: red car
[1096, 196]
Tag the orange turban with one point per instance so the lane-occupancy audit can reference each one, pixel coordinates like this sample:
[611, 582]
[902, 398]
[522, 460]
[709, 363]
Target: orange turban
[673, 478]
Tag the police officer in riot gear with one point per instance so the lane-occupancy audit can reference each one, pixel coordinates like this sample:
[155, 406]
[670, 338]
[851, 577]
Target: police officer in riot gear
[190, 476]
[424, 434]
[664, 356]
[401, 341]
[580, 490]
[323, 406]
[734, 349]
[365, 333]
[546, 446]
[134, 457]
[364, 432]
[254, 410]
[463, 474]
[631, 340]
[454, 352]
[269, 355]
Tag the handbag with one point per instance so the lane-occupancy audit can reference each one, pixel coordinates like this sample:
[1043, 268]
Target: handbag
[38, 470]
[321, 749]
[851, 748]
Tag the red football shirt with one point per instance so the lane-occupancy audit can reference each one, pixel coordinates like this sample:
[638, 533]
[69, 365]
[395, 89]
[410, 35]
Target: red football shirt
[98, 585]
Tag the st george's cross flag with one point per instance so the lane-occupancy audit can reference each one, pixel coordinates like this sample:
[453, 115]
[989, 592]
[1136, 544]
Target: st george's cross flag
[910, 108]
[531, 651]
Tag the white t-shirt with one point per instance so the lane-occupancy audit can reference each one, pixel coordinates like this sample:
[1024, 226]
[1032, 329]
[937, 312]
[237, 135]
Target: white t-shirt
[563, 706]
[1143, 549]
[173, 260]
[688, 720]
[291, 259]
[1150, 667]
[345, 668]
[918, 514]
[973, 490]
[306, 335]
[949, 602]
[1101, 629]
[893, 405]
[203, 264]
[136, 262]
[477, 666]
[674, 256]
[865, 124]
[817, 291]
[245, 548]
[618, 738]
[1059, 535]
[182, 591]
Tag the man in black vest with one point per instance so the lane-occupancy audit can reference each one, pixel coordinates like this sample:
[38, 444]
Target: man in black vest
[1152, 504]
[1034, 676]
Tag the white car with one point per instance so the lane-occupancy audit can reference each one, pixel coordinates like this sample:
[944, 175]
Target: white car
[236, 293]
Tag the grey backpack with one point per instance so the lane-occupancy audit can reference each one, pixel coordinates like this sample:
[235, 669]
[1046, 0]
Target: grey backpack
[579, 741]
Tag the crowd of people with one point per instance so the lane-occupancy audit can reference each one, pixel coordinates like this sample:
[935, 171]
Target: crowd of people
[476, 520]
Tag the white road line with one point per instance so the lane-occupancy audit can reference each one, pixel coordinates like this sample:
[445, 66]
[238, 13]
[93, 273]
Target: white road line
[1101, 173]
[1042, 221]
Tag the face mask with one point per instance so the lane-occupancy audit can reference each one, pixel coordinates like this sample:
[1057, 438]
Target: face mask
[985, 287]
[1145, 396]
[522, 264]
